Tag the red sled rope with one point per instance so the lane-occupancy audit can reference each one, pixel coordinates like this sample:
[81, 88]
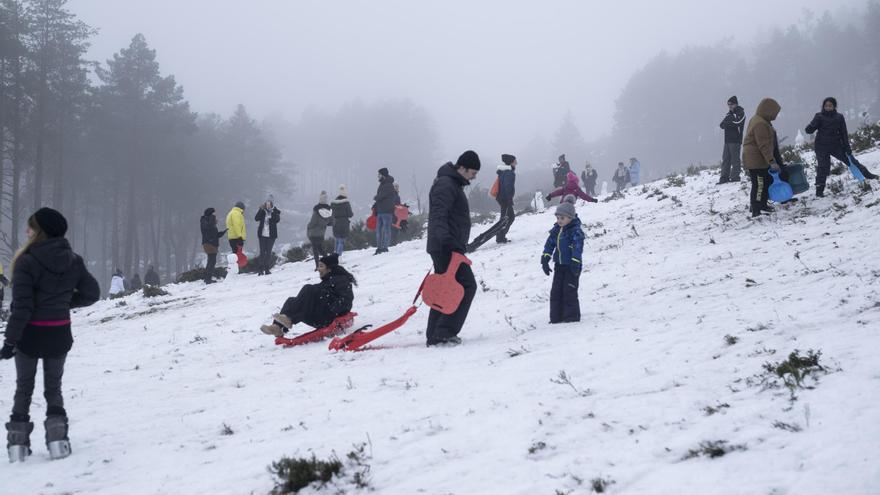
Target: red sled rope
[336, 327]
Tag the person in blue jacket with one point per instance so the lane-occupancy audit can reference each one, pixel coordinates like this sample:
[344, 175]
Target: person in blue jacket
[565, 247]
[635, 168]
[506, 192]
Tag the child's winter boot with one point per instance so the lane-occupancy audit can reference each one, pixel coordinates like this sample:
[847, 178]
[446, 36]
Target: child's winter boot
[56, 437]
[18, 438]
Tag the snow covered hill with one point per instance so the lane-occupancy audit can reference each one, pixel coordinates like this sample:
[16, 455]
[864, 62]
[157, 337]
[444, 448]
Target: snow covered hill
[685, 300]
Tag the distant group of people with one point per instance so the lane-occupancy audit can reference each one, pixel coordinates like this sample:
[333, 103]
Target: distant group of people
[120, 285]
[623, 177]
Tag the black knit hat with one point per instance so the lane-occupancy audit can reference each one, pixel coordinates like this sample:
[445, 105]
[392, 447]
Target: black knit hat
[833, 101]
[209, 212]
[330, 260]
[468, 159]
[239, 204]
[508, 159]
[51, 222]
[383, 172]
[732, 100]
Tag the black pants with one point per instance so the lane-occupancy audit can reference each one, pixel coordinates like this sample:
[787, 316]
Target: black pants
[307, 308]
[209, 266]
[317, 248]
[730, 162]
[440, 326]
[507, 215]
[590, 187]
[26, 373]
[266, 244]
[823, 163]
[761, 181]
[564, 303]
[235, 243]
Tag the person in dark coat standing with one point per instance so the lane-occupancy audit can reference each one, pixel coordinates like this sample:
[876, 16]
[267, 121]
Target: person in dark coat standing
[210, 244]
[832, 139]
[341, 213]
[449, 229]
[317, 305]
[48, 280]
[589, 177]
[560, 171]
[136, 283]
[734, 125]
[565, 246]
[506, 193]
[385, 202]
[322, 217]
[268, 216]
[151, 277]
[621, 178]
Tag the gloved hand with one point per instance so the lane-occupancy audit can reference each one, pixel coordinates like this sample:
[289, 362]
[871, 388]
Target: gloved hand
[7, 351]
[222, 233]
[593, 200]
[548, 197]
[774, 166]
[545, 265]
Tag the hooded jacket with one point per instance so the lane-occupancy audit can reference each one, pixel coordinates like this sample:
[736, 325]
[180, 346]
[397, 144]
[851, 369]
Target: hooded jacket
[235, 224]
[733, 125]
[336, 292]
[210, 234]
[342, 213]
[322, 217]
[449, 215]
[49, 279]
[151, 278]
[273, 220]
[506, 184]
[386, 197]
[572, 186]
[830, 129]
[565, 245]
[760, 146]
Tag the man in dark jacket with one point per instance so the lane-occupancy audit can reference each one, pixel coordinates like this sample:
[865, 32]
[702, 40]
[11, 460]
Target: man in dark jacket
[268, 216]
[589, 177]
[506, 192]
[385, 201]
[449, 228]
[210, 244]
[733, 124]
[560, 171]
[832, 139]
[136, 283]
[151, 277]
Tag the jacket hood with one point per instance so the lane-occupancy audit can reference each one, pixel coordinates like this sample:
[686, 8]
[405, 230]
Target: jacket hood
[572, 178]
[340, 199]
[387, 179]
[320, 206]
[768, 109]
[55, 255]
[504, 168]
[448, 170]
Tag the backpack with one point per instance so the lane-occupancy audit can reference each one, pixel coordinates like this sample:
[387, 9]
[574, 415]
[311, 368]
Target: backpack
[493, 191]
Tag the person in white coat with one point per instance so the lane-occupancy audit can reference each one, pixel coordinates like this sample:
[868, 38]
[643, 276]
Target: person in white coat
[117, 283]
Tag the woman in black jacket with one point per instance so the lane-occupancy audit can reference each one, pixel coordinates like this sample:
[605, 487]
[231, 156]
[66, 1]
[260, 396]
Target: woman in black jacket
[317, 305]
[342, 214]
[210, 241]
[832, 139]
[48, 280]
[268, 216]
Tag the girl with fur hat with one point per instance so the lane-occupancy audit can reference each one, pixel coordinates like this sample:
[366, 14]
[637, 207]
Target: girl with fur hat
[565, 247]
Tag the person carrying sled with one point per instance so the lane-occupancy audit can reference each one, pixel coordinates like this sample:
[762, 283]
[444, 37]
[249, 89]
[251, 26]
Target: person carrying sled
[571, 187]
[322, 217]
[832, 139]
[317, 305]
[268, 216]
[589, 176]
[564, 246]
[210, 242]
[341, 213]
[235, 227]
[449, 228]
[506, 192]
[385, 200]
[733, 125]
[48, 280]
[761, 153]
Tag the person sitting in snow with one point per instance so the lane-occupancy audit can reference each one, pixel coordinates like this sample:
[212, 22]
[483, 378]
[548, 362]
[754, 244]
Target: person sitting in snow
[571, 187]
[565, 246]
[317, 305]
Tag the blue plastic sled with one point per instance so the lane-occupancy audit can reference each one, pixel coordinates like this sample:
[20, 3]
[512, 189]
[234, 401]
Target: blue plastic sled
[797, 179]
[856, 173]
[780, 191]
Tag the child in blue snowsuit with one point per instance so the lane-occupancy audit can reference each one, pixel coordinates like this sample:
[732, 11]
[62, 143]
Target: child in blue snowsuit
[565, 246]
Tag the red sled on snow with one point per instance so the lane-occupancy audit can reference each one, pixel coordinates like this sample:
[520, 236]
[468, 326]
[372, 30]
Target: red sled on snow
[336, 327]
[401, 215]
[372, 221]
[439, 291]
[241, 258]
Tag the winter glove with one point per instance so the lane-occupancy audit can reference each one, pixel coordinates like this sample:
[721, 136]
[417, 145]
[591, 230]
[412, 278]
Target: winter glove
[774, 166]
[7, 351]
[593, 200]
[548, 197]
[545, 265]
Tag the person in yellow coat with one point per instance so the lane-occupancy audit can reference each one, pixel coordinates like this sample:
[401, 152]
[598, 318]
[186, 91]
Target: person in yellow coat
[235, 223]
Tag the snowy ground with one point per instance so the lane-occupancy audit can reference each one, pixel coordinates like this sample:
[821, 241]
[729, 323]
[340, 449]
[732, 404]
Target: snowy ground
[151, 385]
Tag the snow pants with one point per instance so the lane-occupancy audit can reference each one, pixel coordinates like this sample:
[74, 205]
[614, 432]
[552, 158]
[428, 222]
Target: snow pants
[317, 248]
[823, 163]
[564, 303]
[507, 216]
[759, 194]
[26, 373]
[209, 266]
[440, 326]
[306, 308]
[731, 163]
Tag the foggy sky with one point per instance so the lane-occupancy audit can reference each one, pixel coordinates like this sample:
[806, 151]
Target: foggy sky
[492, 73]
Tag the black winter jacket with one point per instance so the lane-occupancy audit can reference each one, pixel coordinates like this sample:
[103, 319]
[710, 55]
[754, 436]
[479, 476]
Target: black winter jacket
[49, 280]
[210, 234]
[152, 278]
[832, 134]
[733, 124]
[336, 292]
[449, 216]
[386, 197]
[342, 214]
[274, 218]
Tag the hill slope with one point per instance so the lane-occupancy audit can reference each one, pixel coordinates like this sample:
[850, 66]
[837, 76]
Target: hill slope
[521, 406]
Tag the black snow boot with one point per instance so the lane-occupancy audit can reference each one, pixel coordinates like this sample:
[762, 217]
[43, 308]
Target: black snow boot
[820, 191]
[56, 437]
[18, 439]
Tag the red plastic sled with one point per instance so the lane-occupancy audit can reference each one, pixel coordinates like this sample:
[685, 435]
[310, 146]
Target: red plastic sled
[401, 214]
[441, 291]
[372, 221]
[242, 259]
[337, 326]
[361, 336]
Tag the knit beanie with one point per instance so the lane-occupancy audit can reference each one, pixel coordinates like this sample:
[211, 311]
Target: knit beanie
[833, 101]
[567, 206]
[343, 191]
[239, 204]
[383, 172]
[330, 260]
[508, 159]
[469, 160]
[732, 100]
[51, 221]
[209, 212]
[322, 198]
[270, 199]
